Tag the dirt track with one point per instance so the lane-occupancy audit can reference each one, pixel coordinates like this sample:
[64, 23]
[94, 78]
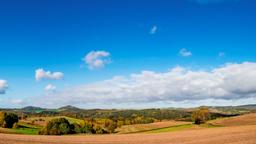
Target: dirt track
[224, 135]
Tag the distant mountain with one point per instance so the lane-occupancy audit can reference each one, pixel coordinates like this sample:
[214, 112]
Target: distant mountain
[251, 107]
[230, 110]
[69, 108]
[32, 109]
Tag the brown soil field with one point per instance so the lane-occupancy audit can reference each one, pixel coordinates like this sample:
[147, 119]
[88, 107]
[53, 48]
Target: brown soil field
[248, 119]
[144, 127]
[222, 135]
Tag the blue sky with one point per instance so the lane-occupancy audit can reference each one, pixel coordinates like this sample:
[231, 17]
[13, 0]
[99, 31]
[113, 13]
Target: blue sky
[56, 36]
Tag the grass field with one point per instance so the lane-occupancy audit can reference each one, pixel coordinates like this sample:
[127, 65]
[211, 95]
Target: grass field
[28, 131]
[171, 129]
[31, 126]
[23, 128]
[148, 127]
[179, 128]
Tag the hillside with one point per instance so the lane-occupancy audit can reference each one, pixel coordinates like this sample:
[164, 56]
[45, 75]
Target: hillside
[69, 108]
[33, 109]
[248, 119]
[161, 114]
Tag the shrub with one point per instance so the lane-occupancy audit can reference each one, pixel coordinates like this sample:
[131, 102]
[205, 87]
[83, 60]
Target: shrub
[64, 128]
[110, 126]
[76, 128]
[87, 128]
[100, 130]
[59, 126]
[8, 119]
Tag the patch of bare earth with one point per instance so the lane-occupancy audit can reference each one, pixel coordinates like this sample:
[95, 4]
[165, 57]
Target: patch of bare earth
[248, 119]
[222, 135]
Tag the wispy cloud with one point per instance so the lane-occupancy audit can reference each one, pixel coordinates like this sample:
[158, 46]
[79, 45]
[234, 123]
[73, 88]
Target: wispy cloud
[153, 30]
[185, 53]
[50, 88]
[97, 59]
[41, 74]
[3, 86]
[16, 101]
[230, 82]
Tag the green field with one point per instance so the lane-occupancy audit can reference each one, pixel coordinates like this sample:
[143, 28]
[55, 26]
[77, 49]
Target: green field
[179, 128]
[31, 129]
[170, 129]
[46, 119]
[28, 131]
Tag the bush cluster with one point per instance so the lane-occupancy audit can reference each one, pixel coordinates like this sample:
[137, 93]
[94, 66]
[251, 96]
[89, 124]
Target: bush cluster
[58, 126]
[61, 126]
[7, 120]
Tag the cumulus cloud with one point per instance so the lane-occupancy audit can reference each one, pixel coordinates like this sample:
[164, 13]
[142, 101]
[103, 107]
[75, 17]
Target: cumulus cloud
[3, 86]
[229, 82]
[153, 30]
[42, 74]
[50, 88]
[97, 59]
[185, 53]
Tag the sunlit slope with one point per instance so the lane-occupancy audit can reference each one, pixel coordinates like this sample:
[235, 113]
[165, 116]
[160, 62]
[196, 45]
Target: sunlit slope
[247, 119]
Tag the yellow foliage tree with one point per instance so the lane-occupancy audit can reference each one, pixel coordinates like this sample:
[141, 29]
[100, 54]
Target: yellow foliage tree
[201, 115]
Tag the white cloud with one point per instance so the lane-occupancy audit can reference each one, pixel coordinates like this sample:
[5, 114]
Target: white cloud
[222, 54]
[50, 88]
[230, 82]
[41, 74]
[185, 53]
[16, 101]
[153, 30]
[97, 59]
[3, 86]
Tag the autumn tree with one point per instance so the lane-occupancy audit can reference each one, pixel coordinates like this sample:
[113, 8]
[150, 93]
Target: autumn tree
[58, 126]
[201, 115]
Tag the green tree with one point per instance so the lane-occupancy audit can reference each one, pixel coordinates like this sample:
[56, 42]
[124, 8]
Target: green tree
[88, 128]
[8, 119]
[59, 126]
[76, 128]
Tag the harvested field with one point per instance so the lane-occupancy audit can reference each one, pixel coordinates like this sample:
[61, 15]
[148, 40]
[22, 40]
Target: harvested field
[227, 135]
[248, 119]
